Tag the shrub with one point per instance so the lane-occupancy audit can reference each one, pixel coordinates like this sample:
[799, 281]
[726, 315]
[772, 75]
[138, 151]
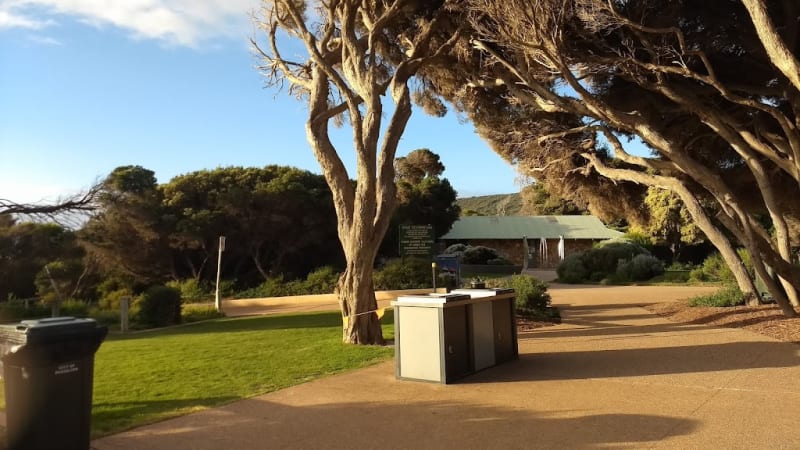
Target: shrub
[15, 310]
[159, 306]
[715, 269]
[455, 249]
[641, 267]
[572, 270]
[604, 257]
[478, 255]
[191, 290]
[499, 261]
[531, 292]
[725, 297]
[110, 300]
[600, 261]
[104, 316]
[321, 281]
[196, 313]
[398, 274]
[74, 308]
[271, 287]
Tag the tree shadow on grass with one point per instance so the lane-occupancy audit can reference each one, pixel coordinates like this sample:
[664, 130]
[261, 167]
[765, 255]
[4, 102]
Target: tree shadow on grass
[251, 323]
[394, 424]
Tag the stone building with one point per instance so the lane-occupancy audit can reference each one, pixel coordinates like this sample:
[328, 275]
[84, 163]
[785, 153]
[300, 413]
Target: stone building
[546, 240]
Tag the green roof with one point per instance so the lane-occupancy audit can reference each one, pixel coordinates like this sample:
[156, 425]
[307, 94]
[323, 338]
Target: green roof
[515, 227]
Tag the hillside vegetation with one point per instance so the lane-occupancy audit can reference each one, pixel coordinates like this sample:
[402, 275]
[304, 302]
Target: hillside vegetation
[491, 205]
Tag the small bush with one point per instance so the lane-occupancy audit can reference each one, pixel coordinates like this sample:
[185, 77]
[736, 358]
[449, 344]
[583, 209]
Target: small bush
[572, 270]
[641, 267]
[191, 290]
[196, 313]
[455, 249]
[409, 274]
[110, 300]
[725, 297]
[604, 257]
[715, 269]
[104, 316]
[499, 262]
[74, 308]
[321, 281]
[601, 261]
[478, 255]
[271, 287]
[531, 292]
[15, 310]
[159, 306]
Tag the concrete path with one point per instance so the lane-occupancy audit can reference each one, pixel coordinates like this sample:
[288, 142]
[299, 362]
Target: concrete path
[611, 376]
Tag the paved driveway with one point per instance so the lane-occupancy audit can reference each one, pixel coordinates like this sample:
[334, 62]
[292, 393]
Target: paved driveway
[611, 376]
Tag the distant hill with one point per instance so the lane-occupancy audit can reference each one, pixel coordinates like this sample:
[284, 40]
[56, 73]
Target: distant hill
[492, 205]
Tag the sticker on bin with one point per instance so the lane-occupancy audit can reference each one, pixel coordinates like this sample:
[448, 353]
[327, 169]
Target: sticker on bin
[64, 369]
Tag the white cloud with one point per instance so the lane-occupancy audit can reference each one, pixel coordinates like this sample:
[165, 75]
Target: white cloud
[180, 22]
[8, 19]
[44, 40]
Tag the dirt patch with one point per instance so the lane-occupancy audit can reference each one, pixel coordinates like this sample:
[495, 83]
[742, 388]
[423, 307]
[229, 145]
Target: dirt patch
[525, 324]
[765, 319]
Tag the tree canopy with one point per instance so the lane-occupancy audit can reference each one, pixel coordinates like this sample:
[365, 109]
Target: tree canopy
[566, 88]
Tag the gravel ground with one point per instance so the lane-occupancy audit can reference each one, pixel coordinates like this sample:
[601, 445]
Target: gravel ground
[765, 319]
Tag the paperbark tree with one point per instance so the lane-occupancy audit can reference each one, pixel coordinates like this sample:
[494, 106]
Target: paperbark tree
[352, 59]
[707, 87]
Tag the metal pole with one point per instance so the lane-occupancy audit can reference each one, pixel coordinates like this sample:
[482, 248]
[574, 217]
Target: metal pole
[433, 269]
[217, 301]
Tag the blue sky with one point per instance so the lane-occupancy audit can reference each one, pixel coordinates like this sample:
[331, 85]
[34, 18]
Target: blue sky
[89, 85]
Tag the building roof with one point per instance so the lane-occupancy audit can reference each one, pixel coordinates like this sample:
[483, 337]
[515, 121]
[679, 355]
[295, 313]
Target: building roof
[534, 227]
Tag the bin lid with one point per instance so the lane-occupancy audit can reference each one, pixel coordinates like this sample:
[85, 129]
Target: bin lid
[487, 292]
[28, 331]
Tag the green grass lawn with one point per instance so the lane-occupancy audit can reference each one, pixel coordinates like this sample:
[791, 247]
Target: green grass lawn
[147, 377]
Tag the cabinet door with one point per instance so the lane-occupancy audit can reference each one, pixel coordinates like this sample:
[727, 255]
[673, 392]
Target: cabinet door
[505, 331]
[456, 343]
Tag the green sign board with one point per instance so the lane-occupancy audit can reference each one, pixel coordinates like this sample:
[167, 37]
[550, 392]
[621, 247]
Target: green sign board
[416, 240]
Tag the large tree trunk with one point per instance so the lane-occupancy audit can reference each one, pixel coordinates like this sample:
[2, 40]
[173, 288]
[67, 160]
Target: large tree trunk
[356, 297]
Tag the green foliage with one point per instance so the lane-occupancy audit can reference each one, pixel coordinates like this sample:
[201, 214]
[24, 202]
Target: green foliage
[191, 290]
[715, 269]
[197, 313]
[572, 270]
[111, 300]
[669, 221]
[531, 292]
[602, 260]
[537, 200]
[15, 310]
[106, 317]
[174, 371]
[641, 267]
[25, 248]
[74, 308]
[424, 198]
[728, 296]
[639, 238]
[413, 273]
[479, 255]
[321, 281]
[159, 306]
[492, 205]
